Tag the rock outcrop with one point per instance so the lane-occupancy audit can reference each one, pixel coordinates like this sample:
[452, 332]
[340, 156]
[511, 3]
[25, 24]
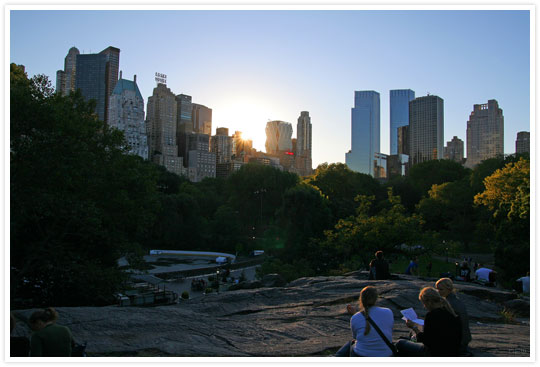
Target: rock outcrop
[305, 318]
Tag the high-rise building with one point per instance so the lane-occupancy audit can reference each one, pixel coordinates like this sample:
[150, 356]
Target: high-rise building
[65, 79]
[485, 133]
[403, 140]
[426, 129]
[278, 137]
[96, 77]
[454, 150]
[183, 114]
[303, 144]
[161, 129]
[201, 162]
[399, 114]
[241, 148]
[126, 113]
[365, 132]
[523, 142]
[221, 145]
[201, 117]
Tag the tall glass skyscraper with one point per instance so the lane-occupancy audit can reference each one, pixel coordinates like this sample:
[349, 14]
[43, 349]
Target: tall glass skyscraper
[426, 129]
[399, 114]
[365, 132]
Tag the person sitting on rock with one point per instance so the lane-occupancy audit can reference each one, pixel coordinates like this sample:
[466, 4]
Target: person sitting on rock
[379, 268]
[48, 338]
[464, 272]
[441, 336]
[367, 340]
[19, 346]
[525, 283]
[485, 276]
[446, 289]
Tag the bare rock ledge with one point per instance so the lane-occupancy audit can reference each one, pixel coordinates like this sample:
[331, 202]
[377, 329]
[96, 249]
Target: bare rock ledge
[305, 318]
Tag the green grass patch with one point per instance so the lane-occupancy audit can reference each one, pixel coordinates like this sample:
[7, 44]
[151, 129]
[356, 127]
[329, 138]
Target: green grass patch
[400, 264]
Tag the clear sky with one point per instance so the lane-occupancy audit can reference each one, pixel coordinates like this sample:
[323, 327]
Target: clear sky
[252, 66]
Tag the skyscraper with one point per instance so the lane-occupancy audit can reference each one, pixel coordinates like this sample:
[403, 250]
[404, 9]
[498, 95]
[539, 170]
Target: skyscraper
[96, 77]
[485, 133]
[221, 145]
[365, 132]
[303, 144]
[126, 113]
[278, 137]
[161, 129]
[454, 150]
[65, 79]
[399, 114]
[201, 117]
[523, 141]
[426, 129]
[184, 112]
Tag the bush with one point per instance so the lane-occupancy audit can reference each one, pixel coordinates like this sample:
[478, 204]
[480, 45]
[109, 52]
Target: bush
[185, 295]
[211, 278]
[209, 290]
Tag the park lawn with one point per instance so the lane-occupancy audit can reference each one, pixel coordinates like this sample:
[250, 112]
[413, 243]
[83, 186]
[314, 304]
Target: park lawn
[439, 266]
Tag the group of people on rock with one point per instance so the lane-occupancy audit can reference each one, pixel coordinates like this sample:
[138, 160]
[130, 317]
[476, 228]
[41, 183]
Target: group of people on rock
[48, 339]
[445, 332]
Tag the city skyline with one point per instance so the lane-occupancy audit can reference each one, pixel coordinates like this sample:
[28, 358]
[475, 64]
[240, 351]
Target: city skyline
[274, 73]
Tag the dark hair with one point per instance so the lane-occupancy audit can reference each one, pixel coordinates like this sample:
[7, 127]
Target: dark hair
[379, 255]
[46, 315]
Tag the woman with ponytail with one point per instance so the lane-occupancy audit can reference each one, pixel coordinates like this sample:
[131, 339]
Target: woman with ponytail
[49, 339]
[367, 341]
[442, 329]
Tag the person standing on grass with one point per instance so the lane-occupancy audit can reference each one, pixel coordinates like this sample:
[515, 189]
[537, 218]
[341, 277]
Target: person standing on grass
[379, 268]
[412, 269]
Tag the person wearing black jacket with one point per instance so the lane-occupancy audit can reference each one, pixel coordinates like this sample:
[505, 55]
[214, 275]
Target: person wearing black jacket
[379, 268]
[441, 336]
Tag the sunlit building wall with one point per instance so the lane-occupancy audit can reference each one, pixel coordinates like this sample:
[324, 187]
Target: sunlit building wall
[161, 129]
[65, 79]
[455, 150]
[221, 145]
[523, 142]
[201, 117]
[399, 114]
[365, 132]
[126, 113]
[485, 133]
[278, 137]
[426, 129]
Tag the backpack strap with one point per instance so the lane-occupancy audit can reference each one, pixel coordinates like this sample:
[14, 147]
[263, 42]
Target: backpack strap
[390, 345]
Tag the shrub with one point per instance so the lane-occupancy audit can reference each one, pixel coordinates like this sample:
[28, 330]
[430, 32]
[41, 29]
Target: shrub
[185, 295]
[211, 278]
[209, 290]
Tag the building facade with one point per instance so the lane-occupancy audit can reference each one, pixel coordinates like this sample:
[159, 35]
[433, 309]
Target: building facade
[65, 79]
[303, 146]
[278, 137]
[523, 142]
[403, 140]
[161, 129]
[222, 145]
[455, 150]
[126, 113]
[426, 129]
[96, 76]
[201, 117]
[184, 110]
[399, 114]
[485, 133]
[365, 132]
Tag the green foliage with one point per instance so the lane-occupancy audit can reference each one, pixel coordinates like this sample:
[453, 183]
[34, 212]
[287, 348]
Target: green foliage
[435, 172]
[290, 271]
[208, 290]
[340, 186]
[78, 201]
[185, 295]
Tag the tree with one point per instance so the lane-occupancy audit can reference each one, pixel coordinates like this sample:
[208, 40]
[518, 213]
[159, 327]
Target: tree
[78, 201]
[341, 185]
[507, 196]
[436, 172]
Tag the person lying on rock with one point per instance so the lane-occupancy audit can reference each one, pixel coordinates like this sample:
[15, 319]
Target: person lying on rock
[446, 289]
[442, 329]
[368, 342]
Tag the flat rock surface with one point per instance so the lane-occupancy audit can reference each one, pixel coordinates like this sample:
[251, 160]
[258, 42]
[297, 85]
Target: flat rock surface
[305, 318]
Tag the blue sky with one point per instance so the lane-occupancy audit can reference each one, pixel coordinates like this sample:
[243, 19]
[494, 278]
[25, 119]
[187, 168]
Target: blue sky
[252, 66]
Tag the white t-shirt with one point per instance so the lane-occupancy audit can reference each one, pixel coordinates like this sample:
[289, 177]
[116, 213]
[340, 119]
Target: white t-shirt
[483, 274]
[372, 344]
[526, 281]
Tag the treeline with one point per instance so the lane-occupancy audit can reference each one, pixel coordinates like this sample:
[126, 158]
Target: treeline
[79, 202]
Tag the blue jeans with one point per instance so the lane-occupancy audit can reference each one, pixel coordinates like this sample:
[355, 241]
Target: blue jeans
[407, 348]
[347, 350]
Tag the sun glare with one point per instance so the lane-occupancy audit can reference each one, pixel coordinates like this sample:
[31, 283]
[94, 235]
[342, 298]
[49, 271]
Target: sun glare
[243, 114]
